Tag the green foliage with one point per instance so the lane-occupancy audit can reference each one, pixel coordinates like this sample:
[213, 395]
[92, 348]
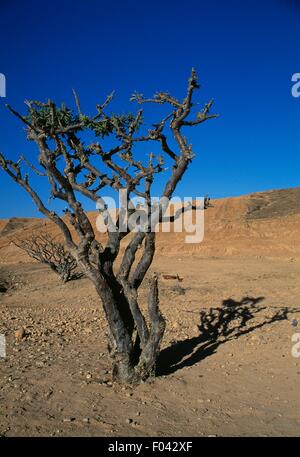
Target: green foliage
[115, 123]
[49, 117]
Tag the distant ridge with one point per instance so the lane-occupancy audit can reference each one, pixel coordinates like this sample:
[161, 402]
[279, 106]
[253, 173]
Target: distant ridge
[17, 223]
[274, 203]
[257, 224]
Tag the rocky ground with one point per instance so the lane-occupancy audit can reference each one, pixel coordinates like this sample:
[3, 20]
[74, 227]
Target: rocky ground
[226, 367]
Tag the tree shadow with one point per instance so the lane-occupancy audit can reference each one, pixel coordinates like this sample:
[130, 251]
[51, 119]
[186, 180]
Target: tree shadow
[77, 275]
[217, 326]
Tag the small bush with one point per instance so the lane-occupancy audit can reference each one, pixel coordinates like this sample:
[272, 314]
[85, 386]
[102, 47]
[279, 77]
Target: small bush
[45, 249]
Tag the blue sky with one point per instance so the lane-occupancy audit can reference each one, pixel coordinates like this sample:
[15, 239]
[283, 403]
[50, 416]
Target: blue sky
[244, 52]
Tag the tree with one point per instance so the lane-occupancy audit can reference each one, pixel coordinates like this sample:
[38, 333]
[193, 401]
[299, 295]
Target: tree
[74, 169]
[45, 249]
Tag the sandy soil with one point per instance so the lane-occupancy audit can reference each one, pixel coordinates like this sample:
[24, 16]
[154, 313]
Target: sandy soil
[226, 367]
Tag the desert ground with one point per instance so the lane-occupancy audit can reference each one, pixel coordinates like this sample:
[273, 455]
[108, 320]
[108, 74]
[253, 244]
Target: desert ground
[226, 367]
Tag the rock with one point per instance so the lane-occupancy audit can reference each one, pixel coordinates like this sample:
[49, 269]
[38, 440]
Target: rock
[69, 419]
[48, 394]
[129, 421]
[20, 333]
[28, 397]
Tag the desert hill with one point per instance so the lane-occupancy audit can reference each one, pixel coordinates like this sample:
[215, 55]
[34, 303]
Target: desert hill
[262, 223]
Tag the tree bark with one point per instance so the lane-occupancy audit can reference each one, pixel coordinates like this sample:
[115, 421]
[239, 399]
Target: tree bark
[133, 361]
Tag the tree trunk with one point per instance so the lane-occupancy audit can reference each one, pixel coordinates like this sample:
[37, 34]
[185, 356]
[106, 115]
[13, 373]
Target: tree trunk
[133, 348]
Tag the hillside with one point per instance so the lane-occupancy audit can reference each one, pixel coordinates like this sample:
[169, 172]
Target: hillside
[264, 223]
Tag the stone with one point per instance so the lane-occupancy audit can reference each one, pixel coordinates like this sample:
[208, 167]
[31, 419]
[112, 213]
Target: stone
[20, 333]
[69, 419]
[48, 394]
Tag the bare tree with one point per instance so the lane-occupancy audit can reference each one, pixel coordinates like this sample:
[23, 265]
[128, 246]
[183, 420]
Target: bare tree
[75, 168]
[45, 249]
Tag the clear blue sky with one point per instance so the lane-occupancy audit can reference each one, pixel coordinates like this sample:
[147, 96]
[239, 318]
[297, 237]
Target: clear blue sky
[245, 53]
